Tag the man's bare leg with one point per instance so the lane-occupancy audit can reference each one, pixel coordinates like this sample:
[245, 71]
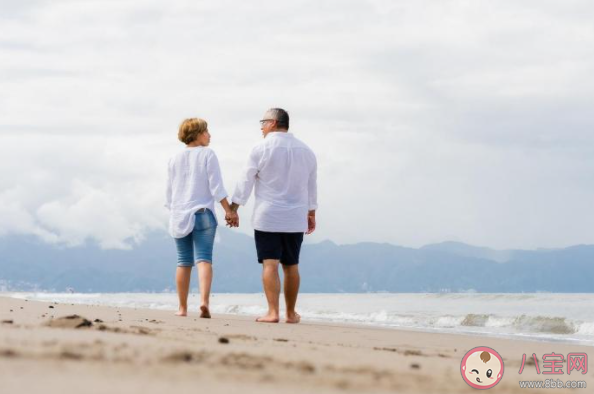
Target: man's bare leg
[182, 281]
[271, 282]
[205, 279]
[291, 287]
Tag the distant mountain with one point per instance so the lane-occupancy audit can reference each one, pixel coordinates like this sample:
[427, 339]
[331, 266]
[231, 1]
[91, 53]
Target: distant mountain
[461, 249]
[28, 264]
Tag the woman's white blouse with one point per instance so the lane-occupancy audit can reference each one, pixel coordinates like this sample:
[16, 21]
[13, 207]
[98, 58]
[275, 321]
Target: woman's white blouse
[194, 181]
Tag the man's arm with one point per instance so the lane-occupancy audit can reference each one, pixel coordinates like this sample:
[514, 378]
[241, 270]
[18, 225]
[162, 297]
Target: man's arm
[312, 189]
[311, 222]
[244, 187]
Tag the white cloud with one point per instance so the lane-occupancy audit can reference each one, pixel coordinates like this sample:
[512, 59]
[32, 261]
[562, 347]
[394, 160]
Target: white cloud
[431, 119]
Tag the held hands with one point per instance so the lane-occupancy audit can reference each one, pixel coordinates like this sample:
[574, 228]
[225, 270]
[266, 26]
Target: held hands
[232, 219]
[231, 216]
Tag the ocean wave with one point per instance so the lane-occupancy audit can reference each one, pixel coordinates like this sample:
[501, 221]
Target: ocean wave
[585, 329]
[524, 323]
[545, 324]
[473, 320]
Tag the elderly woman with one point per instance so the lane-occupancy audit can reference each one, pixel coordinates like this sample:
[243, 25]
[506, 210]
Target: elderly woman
[194, 184]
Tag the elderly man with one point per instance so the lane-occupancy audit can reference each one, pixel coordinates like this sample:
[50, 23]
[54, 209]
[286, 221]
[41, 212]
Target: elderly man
[283, 171]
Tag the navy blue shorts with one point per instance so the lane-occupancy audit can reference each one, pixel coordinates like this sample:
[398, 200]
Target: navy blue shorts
[278, 246]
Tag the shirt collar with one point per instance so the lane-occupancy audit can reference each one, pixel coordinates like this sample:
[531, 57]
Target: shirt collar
[279, 134]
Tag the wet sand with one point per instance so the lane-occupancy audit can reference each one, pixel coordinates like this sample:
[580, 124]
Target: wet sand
[44, 349]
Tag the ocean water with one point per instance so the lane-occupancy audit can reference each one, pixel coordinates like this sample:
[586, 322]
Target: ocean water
[543, 316]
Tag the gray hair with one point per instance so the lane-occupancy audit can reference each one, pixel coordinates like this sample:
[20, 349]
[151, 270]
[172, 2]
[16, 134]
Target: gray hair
[281, 116]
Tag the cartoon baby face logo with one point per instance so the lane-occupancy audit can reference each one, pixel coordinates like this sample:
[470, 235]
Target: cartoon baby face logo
[482, 368]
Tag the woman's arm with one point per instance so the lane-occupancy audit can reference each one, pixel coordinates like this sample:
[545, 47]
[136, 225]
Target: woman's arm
[169, 188]
[215, 183]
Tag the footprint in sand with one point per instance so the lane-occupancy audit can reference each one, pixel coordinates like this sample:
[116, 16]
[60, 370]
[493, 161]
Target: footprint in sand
[72, 321]
[242, 337]
[68, 355]
[413, 353]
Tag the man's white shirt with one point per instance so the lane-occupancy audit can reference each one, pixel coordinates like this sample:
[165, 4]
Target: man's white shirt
[282, 170]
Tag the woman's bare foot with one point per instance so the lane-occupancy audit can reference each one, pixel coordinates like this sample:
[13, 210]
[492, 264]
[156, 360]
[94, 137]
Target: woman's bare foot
[204, 312]
[269, 318]
[293, 318]
[182, 312]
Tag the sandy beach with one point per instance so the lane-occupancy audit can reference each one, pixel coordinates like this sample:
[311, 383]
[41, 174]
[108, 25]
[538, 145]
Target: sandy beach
[45, 349]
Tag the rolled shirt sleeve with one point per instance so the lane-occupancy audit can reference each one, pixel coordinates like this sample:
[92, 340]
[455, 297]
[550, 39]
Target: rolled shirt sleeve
[168, 189]
[312, 186]
[244, 187]
[215, 179]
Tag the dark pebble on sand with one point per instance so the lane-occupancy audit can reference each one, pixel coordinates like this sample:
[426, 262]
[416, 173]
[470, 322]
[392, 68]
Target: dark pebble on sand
[50, 307]
[415, 366]
[97, 321]
[224, 340]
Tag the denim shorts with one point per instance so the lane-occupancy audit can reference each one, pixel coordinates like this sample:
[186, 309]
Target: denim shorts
[197, 246]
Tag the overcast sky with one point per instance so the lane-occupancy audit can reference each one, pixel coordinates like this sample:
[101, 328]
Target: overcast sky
[432, 120]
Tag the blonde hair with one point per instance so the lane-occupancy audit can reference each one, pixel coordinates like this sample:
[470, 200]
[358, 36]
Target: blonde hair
[190, 129]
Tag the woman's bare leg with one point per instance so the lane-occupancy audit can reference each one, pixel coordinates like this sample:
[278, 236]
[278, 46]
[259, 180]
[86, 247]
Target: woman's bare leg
[182, 280]
[205, 279]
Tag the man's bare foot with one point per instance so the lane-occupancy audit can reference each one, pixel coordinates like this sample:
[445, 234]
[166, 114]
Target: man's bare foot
[293, 318]
[269, 318]
[182, 312]
[204, 312]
